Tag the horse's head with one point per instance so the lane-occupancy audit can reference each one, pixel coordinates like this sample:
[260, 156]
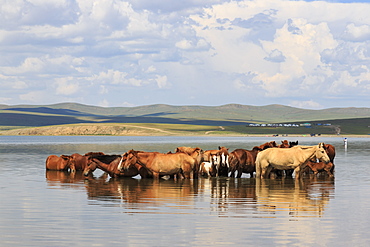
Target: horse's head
[292, 144]
[90, 167]
[284, 144]
[223, 156]
[66, 164]
[272, 144]
[321, 153]
[128, 159]
[199, 155]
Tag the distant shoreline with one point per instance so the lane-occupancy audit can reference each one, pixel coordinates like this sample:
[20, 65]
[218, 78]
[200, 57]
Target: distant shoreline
[147, 130]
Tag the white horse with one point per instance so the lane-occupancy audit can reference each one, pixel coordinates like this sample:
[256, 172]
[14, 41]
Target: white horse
[288, 158]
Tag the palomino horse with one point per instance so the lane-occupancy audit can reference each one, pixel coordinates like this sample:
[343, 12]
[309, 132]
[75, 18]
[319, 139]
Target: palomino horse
[160, 164]
[288, 158]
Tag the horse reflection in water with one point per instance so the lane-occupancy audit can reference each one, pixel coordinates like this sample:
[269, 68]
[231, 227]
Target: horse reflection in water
[268, 198]
[228, 197]
[142, 193]
[297, 198]
[60, 178]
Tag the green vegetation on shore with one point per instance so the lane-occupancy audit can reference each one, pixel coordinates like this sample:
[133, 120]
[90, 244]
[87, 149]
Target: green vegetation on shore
[77, 119]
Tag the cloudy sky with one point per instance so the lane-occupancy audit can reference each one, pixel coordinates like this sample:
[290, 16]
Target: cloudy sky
[307, 54]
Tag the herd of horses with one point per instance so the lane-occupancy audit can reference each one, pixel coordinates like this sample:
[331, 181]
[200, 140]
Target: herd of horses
[268, 160]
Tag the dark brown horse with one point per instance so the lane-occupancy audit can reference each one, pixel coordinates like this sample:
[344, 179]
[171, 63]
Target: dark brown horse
[109, 164]
[242, 160]
[330, 150]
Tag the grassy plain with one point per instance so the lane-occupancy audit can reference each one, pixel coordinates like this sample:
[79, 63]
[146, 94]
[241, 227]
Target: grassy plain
[233, 119]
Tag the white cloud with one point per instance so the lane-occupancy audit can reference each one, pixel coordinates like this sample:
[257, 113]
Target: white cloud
[104, 103]
[357, 33]
[66, 86]
[33, 96]
[252, 52]
[306, 104]
[162, 81]
[127, 104]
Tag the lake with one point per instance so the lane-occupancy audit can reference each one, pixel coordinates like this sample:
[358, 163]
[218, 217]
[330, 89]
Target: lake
[39, 208]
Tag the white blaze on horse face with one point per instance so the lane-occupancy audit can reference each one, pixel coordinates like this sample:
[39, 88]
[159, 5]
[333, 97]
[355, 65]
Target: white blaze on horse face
[215, 159]
[120, 164]
[225, 159]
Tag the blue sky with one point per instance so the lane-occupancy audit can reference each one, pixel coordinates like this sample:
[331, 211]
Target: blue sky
[307, 54]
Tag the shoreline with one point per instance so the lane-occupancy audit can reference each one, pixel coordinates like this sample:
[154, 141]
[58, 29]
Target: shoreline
[150, 130]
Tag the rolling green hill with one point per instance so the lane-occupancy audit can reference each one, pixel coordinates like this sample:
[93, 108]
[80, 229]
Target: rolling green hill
[233, 117]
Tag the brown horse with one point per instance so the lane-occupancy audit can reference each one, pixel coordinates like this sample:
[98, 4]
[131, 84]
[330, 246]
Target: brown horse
[160, 164]
[109, 164]
[79, 162]
[57, 163]
[196, 153]
[284, 144]
[243, 160]
[288, 158]
[223, 164]
[330, 150]
[317, 167]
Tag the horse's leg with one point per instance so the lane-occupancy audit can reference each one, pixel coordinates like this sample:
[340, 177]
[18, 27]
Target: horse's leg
[258, 169]
[298, 172]
[265, 171]
[186, 173]
[196, 170]
[288, 173]
[240, 172]
[155, 175]
[327, 169]
[268, 171]
[232, 169]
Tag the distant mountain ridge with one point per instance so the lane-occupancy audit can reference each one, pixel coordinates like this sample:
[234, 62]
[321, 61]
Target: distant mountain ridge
[229, 114]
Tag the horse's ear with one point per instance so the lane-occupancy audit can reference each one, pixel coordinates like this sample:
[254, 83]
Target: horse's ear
[321, 145]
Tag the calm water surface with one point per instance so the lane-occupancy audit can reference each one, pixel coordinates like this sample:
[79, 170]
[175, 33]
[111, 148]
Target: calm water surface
[39, 208]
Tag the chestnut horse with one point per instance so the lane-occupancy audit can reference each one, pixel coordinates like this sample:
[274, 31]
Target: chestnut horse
[243, 160]
[79, 162]
[288, 158]
[196, 153]
[317, 167]
[160, 164]
[57, 163]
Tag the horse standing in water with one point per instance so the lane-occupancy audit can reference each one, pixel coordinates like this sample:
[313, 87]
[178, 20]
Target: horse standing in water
[288, 158]
[110, 163]
[160, 164]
